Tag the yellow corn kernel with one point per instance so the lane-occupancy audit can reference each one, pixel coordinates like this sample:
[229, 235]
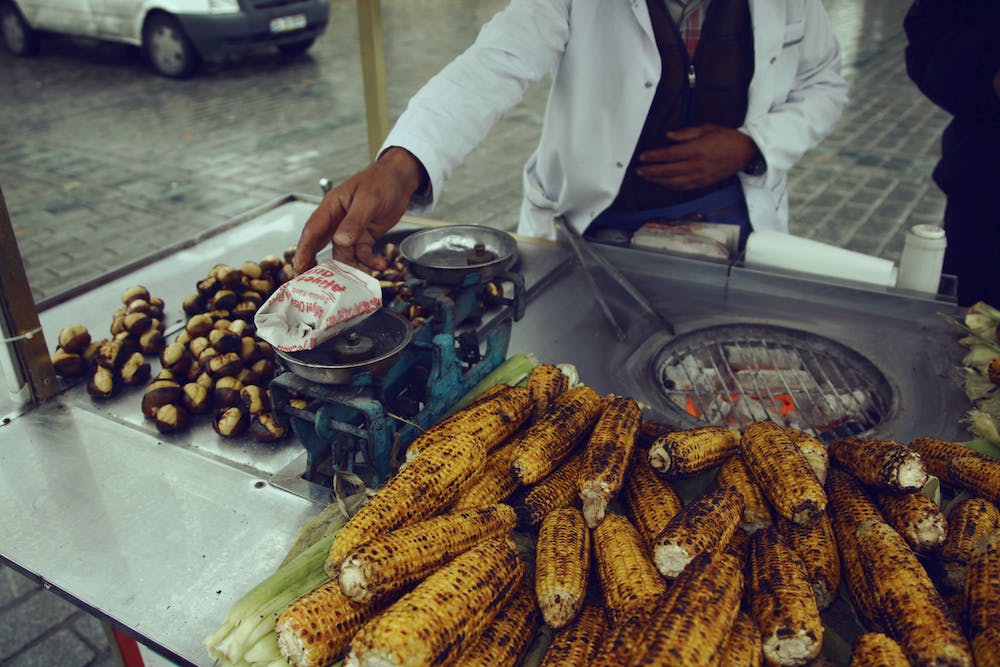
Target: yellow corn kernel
[494, 485]
[562, 564]
[814, 450]
[652, 501]
[620, 643]
[913, 611]
[979, 476]
[973, 527]
[875, 649]
[734, 473]
[881, 464]
[916, 517]
[558, 489]
[986, 648]
[692, 451]
[419, 491]
[628, 577]
[936, 453]
[577, 644]
[782, 472]
[606, 456]
[707, 523]
[545, 383]
[816, 547]
[743, 648]
[505, 642]
[445, 614]
[404, 556]
[782, 601]
[546, 442]
[982, 591]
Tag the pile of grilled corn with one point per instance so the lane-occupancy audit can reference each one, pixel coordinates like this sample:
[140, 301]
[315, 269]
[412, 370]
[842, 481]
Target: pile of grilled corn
[618, 570]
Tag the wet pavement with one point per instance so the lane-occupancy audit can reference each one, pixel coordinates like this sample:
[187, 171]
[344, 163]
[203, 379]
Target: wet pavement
[104, 163]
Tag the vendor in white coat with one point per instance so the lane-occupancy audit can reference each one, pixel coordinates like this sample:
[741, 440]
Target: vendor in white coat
[659, 110]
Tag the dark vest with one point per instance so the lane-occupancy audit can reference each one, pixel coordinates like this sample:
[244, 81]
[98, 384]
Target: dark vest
[721, 72]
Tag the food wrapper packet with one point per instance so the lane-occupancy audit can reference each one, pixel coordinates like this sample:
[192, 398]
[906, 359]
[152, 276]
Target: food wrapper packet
[317, 305]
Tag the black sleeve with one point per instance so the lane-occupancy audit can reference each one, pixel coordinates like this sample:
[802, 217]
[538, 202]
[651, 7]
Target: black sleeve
[953, 53]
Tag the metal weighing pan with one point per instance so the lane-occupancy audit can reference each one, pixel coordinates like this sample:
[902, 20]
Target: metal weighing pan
[446, 255]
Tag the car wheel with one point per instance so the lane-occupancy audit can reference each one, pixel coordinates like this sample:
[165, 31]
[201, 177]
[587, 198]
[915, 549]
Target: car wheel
[295, 48]
[167, 48]
[18, 36]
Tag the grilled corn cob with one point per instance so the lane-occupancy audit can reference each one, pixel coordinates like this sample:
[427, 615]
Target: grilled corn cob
[562, 564]
[492, 419]
[556, 490]
[816, 547]
[652, 501]
[782, 601]
[577, 644]
[782, 472]
[734, 474]
[707, 523]
[916, 517]
[986, 648]
[936, 453]
[419, 491]
[606, 456]
[444, 614]
[406, 555]
[875, 649]
[850, 506]
[739, 546]
[973, 527]
[743, 648]
[621, 640]
[814, 450]
[982, 591]
[314, 630]
[546, 442]
[628, 577]
[545, 383]
[692, 451]
[912, 609]
[978, 475]
[881, 464]
[494, 485]
[650, 430]
[692, 623]
[505, 642]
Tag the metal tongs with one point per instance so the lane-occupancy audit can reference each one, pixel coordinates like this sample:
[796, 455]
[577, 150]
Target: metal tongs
[590, 259]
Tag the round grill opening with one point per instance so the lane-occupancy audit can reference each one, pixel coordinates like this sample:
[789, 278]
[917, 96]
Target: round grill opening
[736, 374]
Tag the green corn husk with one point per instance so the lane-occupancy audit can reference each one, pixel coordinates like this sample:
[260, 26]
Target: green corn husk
[512, 371]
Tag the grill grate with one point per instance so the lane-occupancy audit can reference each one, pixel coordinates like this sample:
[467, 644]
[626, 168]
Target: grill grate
[736, 374]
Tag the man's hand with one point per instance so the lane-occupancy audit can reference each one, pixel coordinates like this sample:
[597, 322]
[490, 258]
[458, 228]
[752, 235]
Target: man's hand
[356, 213]
[700, 156]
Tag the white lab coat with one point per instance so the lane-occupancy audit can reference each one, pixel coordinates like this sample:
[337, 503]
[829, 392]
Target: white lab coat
[605, 65]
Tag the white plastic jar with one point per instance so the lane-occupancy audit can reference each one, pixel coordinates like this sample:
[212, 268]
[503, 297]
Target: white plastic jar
[922, 259]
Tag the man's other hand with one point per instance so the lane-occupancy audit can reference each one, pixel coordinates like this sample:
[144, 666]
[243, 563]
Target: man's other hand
[699, 156]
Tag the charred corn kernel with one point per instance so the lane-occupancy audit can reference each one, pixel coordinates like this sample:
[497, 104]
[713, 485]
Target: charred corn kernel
[692, 451]
[556, 490]
[419, 491]
[814, 450]
[445, 614]
[707, 523]
[782, 601]
[743, 648]
[577, 644]
[692, 623]
[493, 420]
[913, 611]
[546, 442]
[505, 642]
[916, 517]
[973, 527]
[628, 577]
[936, 453]
[955, 602]
[986, 648]
[850, 506]
[620, 643]
[494, 485]
[562, 564]
[816, 547]
[650, 430]
[315, 629]
[406, 555]
[606, 456]
[976, 474]
[734, 474]
[982, 591]
[739, 546]
[875, 649]
[652, 501]
[545, 383]
[881, 464]
[782, 472]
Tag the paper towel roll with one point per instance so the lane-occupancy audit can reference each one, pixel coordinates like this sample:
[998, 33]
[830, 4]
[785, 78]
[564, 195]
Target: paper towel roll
[784, 251]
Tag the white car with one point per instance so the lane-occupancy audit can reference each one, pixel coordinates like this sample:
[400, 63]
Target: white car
[174, 34]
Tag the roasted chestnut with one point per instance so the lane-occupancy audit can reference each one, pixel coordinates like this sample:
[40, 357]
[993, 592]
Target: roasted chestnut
[103, 383]
[194, 304]
[229, 277]
[224, 299]
[152, 342]
[289, 254]
[158, 394]
[135, 370]
[265, 350]
[240, 327]
[226, 392]
[244, 310]
[176, 357]
[74, 339]
[90, 354]
[255, 399]
[199, 345]
[183, 337]
[138, 306]
[196, 399]
[262, 286]
[251, 270]
[208, 286]
[222, 365]
[248, 350]
[264, 369]
[111, 354]
[138, 323]
[68, 364]
[133, 293]
[171, 418]
[129, 343]
[253, 297]
[271, 263]
[224, 341]
[265, 428]
[231, 422]
[205, 380]
[199, 325]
